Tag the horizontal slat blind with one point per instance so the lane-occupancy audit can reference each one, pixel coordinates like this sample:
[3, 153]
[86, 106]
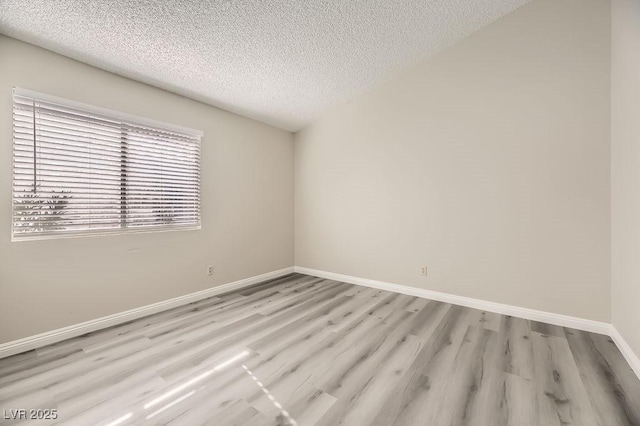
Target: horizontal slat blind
[77, 171]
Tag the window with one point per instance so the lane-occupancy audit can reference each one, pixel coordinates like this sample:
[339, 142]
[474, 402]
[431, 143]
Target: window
[82, 170]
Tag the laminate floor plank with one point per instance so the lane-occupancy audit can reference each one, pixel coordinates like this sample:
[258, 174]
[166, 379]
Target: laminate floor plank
[619, 366]
[302, 350]
[322, 293]
[490, 320]
[238, 413]
[310, 326]
[108, 334]
[516, 349]
[547, 329]
[612, 403]
[257, 328]
[521, 402]
[417, 304]
[473, 393]
[562, 397]
[352, 368]
[32, 367]
[269, 284]
[302, 283]
[327, 367]
[426, 375]
[366, 389]
[308, 408]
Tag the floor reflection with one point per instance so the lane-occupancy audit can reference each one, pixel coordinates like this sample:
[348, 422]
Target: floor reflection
[284, 412]
[137, 417]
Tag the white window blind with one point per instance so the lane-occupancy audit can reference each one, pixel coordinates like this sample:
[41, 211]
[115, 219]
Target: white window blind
[84, 170]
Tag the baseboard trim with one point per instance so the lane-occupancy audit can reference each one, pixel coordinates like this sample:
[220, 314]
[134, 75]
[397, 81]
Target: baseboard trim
[47, 338]
[627, 352]
[500, 308]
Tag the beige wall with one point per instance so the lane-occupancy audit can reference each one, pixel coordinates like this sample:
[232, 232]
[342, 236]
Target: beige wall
[489, 163]
[625, 168]
[247, 207]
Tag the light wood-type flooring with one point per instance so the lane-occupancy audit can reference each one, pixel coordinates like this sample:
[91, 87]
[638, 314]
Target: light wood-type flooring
[301, 350]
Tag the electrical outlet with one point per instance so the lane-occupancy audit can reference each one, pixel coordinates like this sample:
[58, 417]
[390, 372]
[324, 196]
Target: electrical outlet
[210, 270]
[423, 270]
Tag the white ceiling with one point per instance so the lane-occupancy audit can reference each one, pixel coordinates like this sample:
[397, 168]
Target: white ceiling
[281, 62]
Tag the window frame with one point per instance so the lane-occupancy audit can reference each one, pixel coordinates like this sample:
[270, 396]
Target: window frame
[126, 118]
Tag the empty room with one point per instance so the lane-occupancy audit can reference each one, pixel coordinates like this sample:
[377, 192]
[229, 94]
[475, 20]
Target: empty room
[320, 212]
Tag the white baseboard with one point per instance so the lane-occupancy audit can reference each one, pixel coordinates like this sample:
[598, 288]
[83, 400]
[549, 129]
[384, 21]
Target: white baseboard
[49, 337]
[627, 352]
[500, 308]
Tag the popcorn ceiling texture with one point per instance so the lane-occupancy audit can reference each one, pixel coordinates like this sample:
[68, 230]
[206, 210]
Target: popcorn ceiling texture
[280, 62]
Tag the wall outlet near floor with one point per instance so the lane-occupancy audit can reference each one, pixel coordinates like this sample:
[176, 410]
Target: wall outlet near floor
[423, 270]
[210, 270]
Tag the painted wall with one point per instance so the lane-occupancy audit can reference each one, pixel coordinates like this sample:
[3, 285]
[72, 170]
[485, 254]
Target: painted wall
[625, 168]
[489, 163]
[247, 207]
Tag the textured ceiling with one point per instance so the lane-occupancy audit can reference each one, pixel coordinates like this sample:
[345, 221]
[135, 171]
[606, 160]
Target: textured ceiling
[280, 62]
